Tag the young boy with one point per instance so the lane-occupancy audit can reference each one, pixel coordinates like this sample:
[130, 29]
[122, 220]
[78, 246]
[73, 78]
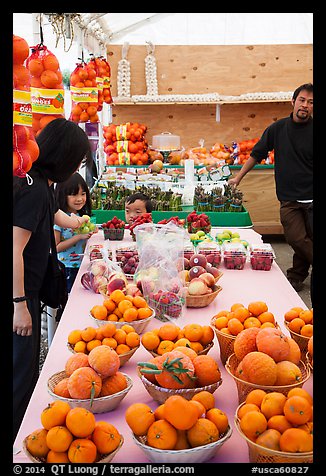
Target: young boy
[137, 204]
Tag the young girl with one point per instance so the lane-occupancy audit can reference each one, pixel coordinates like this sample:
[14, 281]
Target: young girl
[72, 196]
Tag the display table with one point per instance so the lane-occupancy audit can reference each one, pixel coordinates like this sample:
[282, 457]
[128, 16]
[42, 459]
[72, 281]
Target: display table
[237, 286]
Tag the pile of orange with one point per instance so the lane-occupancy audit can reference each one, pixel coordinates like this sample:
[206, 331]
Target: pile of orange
[300, 321]
[277, 421]
[84, 76]
[121, 308]
[178, 423]
[121, 340]
[267, 357]
[91, 376]
[240, 317]
[170, 336]
[71, 435]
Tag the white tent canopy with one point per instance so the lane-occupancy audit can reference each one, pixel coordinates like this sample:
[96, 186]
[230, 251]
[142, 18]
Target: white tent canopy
[93, 32]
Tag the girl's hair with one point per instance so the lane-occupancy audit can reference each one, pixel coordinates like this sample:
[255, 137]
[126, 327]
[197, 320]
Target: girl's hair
[71, 187]
[63, 147]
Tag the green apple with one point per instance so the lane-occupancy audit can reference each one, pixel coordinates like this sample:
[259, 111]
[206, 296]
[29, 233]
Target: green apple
[86, 217]
[225, 236]
[200, 233]
[235, 240]
[219, 236]
[235, 235]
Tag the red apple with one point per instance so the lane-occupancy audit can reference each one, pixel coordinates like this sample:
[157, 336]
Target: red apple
[116, 283]
[197, 287]
[208, 279]
[196, 271]
[198, 260]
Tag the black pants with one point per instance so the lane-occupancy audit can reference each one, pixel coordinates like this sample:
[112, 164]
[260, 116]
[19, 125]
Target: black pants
[296, 219]
[71, 274]
[26, 356]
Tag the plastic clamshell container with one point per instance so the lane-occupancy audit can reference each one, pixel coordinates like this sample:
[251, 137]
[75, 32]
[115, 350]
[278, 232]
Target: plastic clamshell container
[234, 255]
[212, 251]
[188, 250]
[261, 256]
[166, 141]
[128, 258]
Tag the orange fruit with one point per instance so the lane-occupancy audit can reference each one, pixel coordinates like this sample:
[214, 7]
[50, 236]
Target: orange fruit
[180, 413]
[255, 396]
[93, 343]
[296, 440]
[144, 312]
[150, 340]
[57, 457]
[109, 304]
[306, 315]
[106, 437]
[297, 410]
[36, 443]
[235, 326]
[35, 67]
[59, 438]
[241, 313]
[82, 450]
[219, 418]
[133, 339]
[208, 336]
[74, 336]
[279, 423]
[253, 424]
[257, 307]
[168, 331]
[124, 305]
[296, 325]
[139, 301]
[88, 333]
[193, 332]
[236, 305]
[127, 328]
[110, 341]
[50, 62]
[165, 346]
[117, 295]
[266, 317]
[247, 407]
[120, 336]
[162, 435]
[301, 392]
[201, 411]
[251, 322]
[80, 422]
[122, 349]
[109, 329]
[139, 417]
[20, 50]
[49, 79]
[272, 404]
[99, 312]
[54, 414]
[307, 330]
[270, 438]
[203, 432]
[206, 398]
[130, 315]
[80, 346]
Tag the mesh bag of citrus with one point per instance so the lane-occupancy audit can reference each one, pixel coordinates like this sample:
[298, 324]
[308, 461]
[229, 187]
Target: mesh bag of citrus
[25, 148]
[47, 92]
[84, 94]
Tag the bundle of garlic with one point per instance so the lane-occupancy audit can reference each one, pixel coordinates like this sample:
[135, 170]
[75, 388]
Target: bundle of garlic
[124, 75]
[151, 71]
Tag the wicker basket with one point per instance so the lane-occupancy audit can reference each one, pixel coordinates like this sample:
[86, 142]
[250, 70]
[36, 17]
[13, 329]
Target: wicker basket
[139, 325]
[203, 300]
[114, 234]
[309, 361]
[225, 341]
[260, 454]
[302, 341]
[103, 458]
[98, 405]
[200, 454]
[123, 357]
[202, 352]
[245, 387]
[160, 394]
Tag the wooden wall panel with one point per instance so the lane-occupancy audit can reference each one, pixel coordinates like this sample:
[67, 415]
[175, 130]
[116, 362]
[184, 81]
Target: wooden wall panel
[194, 122]
[223, 69]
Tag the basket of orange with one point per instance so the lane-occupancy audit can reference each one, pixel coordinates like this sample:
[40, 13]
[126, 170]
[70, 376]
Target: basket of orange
[277, 427]
[197, 338]
[175, 373]
[228, 324]
[309, 354]
[91, 381]
[71, 435]
[299, 323]
[268, 359]
[179, 430]
[122, 309]
[125, 340]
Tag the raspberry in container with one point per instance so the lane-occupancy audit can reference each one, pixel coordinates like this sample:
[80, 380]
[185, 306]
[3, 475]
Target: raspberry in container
[188, 250]
[127, 257]
[261, 256]
[212, 251]
[234, 255]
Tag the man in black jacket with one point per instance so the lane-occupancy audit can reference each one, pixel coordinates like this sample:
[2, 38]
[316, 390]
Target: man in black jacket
[292, 141]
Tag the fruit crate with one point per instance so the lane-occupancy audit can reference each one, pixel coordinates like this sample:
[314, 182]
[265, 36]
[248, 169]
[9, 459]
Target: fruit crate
[223, 219]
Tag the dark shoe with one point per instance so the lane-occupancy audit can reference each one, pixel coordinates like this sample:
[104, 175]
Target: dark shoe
[297, 285]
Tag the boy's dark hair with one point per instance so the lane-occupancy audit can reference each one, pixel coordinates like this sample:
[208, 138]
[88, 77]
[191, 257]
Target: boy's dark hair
[71, 187]
[304, 87]
[144, 198]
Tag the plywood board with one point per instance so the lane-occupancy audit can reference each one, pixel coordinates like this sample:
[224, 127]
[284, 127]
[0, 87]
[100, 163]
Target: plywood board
[223, 69]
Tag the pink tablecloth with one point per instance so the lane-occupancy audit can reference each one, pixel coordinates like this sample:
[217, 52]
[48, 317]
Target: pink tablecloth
[238, 286]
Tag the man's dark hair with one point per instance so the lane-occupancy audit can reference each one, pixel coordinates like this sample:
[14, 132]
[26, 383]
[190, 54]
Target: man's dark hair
[306, 87]
[144, 198]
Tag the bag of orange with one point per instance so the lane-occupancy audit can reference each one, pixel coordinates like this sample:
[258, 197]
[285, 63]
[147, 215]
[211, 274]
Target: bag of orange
[47, 93]
[104, 77]
[25, 148]
[84, 94]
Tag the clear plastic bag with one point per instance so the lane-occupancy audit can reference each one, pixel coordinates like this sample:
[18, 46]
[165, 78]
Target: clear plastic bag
[104, 276]
[160, 249]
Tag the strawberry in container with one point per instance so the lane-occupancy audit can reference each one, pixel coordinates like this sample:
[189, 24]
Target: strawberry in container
[261, 256]
[212, 252]
[84, 94]
[176, 220]
[197, 222]
[234, 255]
[25, 148]
[114, 229]
[47, 91]
[139, 220]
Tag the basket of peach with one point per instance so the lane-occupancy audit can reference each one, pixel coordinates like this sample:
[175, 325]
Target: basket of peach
[197, 338]
[125, 340]
[91, 381]
[299, 322]
[121, 309]
[278, 428]
[178, 373]
[268, 359]
[227, 324]
[71, 435]
[179, 430]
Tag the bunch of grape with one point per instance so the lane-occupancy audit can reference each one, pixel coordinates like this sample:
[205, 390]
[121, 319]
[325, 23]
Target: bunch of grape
[86, 227]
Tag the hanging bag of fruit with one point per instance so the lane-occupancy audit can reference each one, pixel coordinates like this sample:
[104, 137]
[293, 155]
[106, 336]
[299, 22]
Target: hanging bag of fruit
[25, 148]
[103, 78]
[84, 94]
[47, 92]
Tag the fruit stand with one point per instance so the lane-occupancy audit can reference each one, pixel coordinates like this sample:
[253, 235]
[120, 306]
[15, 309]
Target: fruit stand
[238, 285]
